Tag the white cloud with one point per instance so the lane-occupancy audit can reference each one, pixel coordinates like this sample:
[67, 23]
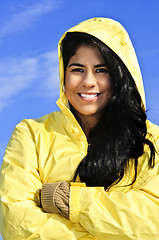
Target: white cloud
[48, 72]
[16, 74]
[39, 73]
[24, 19]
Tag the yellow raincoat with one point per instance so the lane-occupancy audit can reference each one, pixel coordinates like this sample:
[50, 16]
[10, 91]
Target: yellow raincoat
[50, 149]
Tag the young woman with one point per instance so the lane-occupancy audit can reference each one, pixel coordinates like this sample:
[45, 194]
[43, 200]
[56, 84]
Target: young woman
[89, 171]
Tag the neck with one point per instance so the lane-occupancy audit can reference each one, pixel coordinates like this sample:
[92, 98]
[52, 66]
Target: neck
[87, 123]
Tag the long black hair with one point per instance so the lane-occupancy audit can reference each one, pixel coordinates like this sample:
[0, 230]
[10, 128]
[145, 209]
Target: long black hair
[120, 135]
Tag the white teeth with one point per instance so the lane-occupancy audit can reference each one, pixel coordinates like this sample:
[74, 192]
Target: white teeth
[88, 95]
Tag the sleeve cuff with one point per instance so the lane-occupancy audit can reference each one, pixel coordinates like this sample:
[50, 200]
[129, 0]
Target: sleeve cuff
[47, 197]
[74, 202]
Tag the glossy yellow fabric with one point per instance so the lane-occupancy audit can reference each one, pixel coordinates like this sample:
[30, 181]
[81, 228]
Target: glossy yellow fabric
[49, 150]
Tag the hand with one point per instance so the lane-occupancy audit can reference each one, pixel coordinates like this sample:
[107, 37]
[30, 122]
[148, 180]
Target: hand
[61, 198]
[55, 198]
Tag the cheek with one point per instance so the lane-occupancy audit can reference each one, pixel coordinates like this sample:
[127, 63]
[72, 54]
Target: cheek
[68, 83]
[71, 83]
[69, 88]
[106, 84]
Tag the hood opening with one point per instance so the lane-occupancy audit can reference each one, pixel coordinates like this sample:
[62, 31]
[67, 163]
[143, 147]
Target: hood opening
[115, 37]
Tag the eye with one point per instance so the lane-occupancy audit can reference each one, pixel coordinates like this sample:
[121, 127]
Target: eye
[77, 70]
[101, 70]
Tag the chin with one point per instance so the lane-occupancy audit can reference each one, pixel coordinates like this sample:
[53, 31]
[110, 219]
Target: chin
[90, 113]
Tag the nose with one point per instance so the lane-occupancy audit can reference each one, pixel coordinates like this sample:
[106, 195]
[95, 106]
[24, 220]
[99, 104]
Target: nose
[89, 79]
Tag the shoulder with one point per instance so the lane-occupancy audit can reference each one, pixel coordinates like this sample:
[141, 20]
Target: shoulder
[152, 127]
[153, 136]
[152, 132]
[48, 123]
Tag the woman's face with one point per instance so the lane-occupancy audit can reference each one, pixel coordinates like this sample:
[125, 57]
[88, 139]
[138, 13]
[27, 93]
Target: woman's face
[87, 82]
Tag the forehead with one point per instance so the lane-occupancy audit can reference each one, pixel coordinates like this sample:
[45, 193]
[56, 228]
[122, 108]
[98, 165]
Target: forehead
[87, 54]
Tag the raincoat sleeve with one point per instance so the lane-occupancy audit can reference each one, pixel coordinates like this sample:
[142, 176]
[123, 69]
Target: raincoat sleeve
[119, 215]
[20, 213]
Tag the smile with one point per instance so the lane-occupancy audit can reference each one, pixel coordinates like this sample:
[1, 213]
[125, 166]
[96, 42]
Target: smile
[88, 95]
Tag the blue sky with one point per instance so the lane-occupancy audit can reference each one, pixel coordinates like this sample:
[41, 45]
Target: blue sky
[29, 34]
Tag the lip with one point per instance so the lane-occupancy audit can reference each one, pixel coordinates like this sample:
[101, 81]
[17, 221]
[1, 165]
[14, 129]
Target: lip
[89, 97]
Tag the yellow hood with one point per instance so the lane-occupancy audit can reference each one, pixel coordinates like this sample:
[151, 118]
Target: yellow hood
[115, 37]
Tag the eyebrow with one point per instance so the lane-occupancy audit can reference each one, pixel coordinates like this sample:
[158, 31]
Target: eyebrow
[81, 65]
[100, 65]
[76, 64]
